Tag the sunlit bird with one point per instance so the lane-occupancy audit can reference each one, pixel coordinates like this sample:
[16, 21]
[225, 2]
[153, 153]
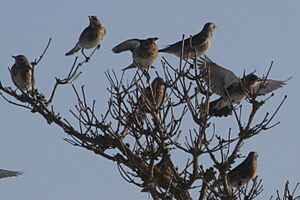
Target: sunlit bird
[232, 89]
[194, 46]
[144, 53]
[91, 37]
[22, 74]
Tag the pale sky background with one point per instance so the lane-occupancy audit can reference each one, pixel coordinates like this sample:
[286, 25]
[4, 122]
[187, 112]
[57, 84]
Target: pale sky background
[250, 35]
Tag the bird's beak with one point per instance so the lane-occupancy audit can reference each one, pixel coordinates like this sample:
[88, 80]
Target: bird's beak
[14, 57]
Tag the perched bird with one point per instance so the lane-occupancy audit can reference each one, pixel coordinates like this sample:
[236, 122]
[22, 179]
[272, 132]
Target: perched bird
[7, 173]
[164, 166]
[144, 53]
[243, 173]
[151, 99]
[91, 37]
[22, 74]
[195, 46]
[163, 174]
[232, 89]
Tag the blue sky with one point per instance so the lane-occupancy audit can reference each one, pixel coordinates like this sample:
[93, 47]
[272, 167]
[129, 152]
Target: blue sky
[249, 36]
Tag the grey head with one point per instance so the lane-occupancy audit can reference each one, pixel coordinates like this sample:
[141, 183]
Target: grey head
[252, 155]
[148, 42]
[209, 27]
[21, 60]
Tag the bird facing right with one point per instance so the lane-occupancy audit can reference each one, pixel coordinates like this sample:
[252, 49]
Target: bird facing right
[231, 89]
[241, 174]
[195, 46]
[7, 173]
[91, 37]
[21, 74]
[244, 172]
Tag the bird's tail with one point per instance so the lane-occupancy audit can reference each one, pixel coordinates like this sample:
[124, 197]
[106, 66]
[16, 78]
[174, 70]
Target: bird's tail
[73, 51]
[132, 65]
[162, 50]
[7, 173]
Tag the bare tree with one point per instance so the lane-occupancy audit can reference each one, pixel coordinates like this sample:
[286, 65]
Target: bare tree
[143, 130]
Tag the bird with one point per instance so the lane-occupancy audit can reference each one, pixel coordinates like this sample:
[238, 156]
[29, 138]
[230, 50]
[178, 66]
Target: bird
[231, 89]
[151, 99]
[243, 173]
[162, 174]
[144, 53]
[22, 74]
[194, 46]
[91, 37]
[7, 173]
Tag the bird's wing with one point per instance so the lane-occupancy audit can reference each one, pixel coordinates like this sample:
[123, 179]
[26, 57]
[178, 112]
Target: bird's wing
[85, 34]
[199, 39]
[172, 47]
[177, 45]
[194, 40]
[26, 71]
[127, 45]
[220, 77]
[7, 173]
[265, 86]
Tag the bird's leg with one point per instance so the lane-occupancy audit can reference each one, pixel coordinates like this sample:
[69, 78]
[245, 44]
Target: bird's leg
[146, 73]
[98, 47]
[86, 57]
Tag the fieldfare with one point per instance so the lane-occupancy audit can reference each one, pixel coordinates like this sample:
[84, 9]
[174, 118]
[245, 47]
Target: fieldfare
[151, 99]
[194, 46]
[243, 173]
[22, 74]
[144, 53]
[163, 174]
[232, 89]
[7, 173]
[90, 37]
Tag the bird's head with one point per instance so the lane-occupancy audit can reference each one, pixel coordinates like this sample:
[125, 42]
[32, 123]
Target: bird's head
[210, 27]
[152, 39]
[158, 84]
[252, 155]
[21, 59]
[249, 80]
[94, 21]
[149, 43]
